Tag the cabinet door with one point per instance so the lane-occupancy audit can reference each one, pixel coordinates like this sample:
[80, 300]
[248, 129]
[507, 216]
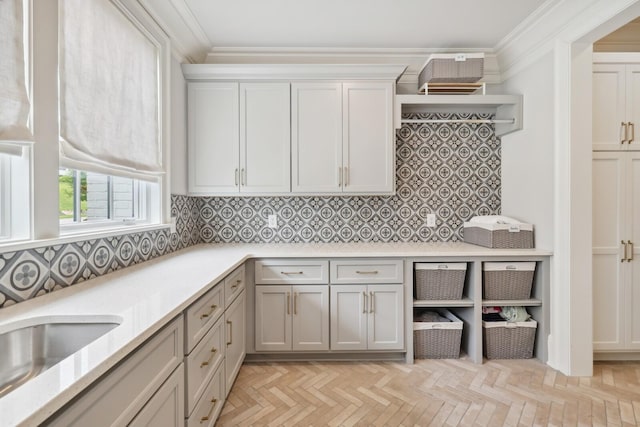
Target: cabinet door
[213, 137]
[632, 85]
[368, 138]
[385, 328]
[633, 203]
[609, 188]
[265, 139]
[316, 139]
[166, 407]
[348, 317]
[310, 317]
[273, 318]
[608, 106]
[236, 349]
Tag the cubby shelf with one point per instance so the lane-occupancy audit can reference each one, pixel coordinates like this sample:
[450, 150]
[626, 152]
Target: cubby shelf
[464, 302]
[513, 302]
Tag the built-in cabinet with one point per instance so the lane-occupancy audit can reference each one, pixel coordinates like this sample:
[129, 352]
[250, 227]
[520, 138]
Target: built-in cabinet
[292, 318]
[238, 137]
[616, 205]
[616, 257]
[147, 386]
[616, 106]
[360, 308]
[367, 317]
[342, 137]
[290, 135]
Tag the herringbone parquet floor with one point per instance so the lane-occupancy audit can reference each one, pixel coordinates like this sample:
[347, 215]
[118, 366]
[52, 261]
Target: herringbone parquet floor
[431, 392]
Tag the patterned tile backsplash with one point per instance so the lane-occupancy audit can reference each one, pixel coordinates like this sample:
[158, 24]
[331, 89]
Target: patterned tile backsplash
[29, 273]
[452, 170]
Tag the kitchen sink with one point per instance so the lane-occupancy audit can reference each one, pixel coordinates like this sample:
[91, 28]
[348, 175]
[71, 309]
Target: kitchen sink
[26, 352]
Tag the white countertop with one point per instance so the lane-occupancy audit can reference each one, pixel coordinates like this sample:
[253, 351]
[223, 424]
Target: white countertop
[143, 298]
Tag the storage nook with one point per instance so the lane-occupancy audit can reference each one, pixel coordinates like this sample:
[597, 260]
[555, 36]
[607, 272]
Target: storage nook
[460, 287]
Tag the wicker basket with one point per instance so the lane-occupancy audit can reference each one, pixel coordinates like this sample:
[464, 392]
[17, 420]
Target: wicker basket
[499, 236]
[437, 340]
[509, 340]
[507, 280]
[452, 68]
[440, 281]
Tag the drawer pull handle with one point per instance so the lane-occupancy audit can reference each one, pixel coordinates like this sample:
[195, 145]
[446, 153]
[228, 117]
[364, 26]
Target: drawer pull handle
[291, 272]
[633, 133]
[205, 315]
[367, 272]
[236, 284]
[295, 303]
[364, 302]
[623, 132]
[213, 401]
[625, 251]
[630, 243]
[288, 303]
[213, 353]
[230, 323]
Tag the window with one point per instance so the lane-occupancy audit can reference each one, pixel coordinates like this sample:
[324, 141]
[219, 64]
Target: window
[111, 151]
[14, 196]
[99, 200]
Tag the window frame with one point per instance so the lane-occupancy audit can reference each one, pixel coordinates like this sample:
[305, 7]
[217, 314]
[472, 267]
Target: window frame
[42, 69]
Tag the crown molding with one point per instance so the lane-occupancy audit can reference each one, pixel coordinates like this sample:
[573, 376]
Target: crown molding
[413, 58]
[560, 20]
[291, 71]
[188, 40]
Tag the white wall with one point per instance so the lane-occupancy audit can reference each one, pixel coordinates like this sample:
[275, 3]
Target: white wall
[528, 155]
[178, 130]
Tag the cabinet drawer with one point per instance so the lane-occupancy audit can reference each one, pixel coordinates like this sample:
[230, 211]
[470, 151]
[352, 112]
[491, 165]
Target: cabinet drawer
[203, 362]
[233, 285]
[202, 314]
[210, 404]
[276, 272]
[117, 397]
[367, 271]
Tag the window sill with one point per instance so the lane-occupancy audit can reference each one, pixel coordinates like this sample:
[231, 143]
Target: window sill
[17, 245]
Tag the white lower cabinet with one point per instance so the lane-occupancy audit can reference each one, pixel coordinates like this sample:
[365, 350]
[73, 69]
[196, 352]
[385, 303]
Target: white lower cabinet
[118, 397]
[235, 339]
[292, 318]
[616, 251]
[210, 405]
[166, 407]
[367, 317]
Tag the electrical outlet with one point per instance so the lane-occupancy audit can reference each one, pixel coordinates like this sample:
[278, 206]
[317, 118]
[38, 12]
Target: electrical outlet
[172, 224]
[273, 221]
[431, 220]
[460, 57]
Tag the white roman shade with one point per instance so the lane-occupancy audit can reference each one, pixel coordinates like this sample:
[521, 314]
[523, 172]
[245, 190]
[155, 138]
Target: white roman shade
[14, 102]
[109, 92]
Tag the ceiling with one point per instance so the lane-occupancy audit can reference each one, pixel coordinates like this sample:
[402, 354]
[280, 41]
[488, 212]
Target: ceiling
[443, 24]
[359, 23]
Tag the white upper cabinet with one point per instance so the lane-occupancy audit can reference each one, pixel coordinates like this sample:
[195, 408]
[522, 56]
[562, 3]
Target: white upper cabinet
[264, 138]
[302, 129]
[213, 126]
[239, 140]
[616, 106]
[368, 138]
[316, 137]
[343, 138]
